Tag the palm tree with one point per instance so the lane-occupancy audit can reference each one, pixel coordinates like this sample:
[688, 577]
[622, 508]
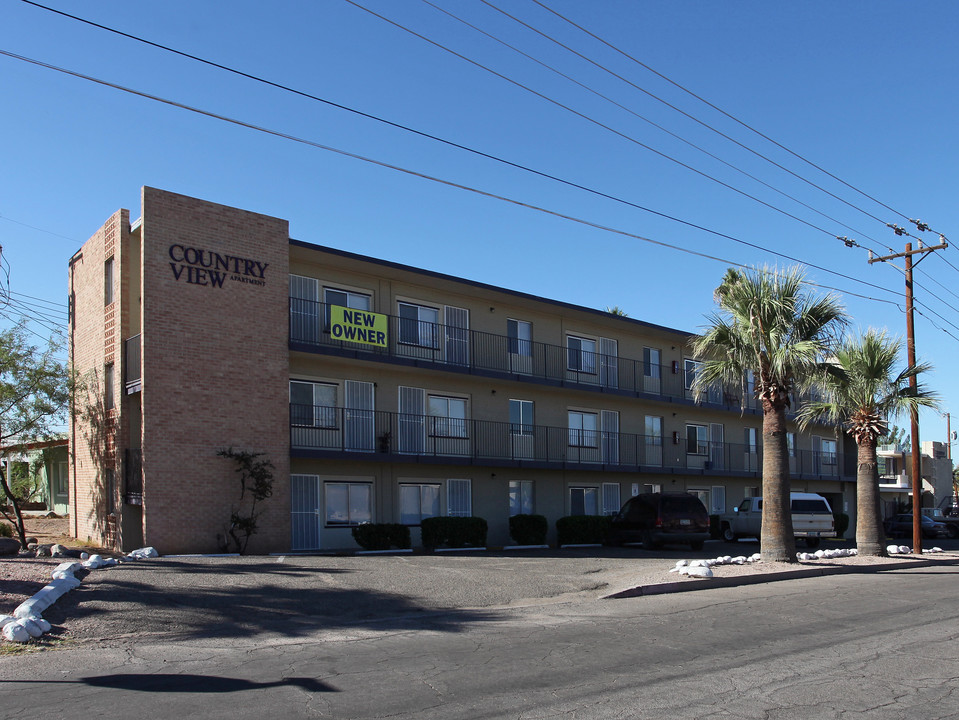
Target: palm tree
[861, 394]
[768, 324]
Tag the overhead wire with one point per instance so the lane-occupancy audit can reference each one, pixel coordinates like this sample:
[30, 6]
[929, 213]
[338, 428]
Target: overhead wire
[589, 119]
[414, 173]
[429, 136]
[452, 143]
[734, 119]
[639, 116]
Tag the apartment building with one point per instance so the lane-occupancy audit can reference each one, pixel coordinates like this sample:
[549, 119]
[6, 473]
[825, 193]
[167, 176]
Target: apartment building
[380, 393]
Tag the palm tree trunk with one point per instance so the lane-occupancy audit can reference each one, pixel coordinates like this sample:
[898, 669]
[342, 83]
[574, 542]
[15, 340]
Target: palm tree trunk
[870, 537]
[777, 543]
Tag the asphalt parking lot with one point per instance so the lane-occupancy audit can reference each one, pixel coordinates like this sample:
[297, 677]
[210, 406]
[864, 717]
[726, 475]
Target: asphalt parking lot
[295, 594]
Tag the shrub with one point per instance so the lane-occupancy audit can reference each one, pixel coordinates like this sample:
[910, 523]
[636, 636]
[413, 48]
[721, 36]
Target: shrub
[582, 529]
[382, 536]
[842, 523]
[528, 529]
[714, 532]
[6, 530]
[454, 532]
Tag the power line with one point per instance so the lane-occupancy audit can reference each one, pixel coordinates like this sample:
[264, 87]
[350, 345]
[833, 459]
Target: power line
[734, 119]
[460, 146]
[591, 120]
[638, 115]
[48, 232]
[448, 183]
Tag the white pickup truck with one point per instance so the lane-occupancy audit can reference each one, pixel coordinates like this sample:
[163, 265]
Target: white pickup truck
[812, 519]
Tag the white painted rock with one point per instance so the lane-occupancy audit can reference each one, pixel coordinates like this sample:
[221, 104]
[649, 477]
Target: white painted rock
[699, 571]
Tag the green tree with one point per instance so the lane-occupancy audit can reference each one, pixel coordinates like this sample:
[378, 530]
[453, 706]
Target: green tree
[897, 436]
[861, 393]
[769, 325]
[34, 399]
[616, 310]
[256, 479]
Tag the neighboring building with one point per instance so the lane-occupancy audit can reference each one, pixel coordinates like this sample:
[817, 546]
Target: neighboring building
[46, 460]
[895, 476]
[380, 392]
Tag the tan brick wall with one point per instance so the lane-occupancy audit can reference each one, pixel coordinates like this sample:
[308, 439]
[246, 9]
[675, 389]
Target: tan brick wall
[215, 368]
[95, 342]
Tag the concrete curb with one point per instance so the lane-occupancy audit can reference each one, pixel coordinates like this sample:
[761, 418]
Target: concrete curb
[693, 585]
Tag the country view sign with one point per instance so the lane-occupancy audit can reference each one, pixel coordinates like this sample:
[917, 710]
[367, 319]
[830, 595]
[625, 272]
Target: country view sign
[197, 266]
[359, 326]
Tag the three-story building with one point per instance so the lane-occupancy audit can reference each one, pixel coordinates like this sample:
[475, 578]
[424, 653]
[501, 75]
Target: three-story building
[380, 392]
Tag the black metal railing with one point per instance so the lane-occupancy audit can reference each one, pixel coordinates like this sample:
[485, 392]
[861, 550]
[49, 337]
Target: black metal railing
[372, 432]
[461, 348]
[132, 365]
[133, 477]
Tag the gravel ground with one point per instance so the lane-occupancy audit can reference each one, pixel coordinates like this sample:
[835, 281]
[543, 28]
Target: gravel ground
[295, 595]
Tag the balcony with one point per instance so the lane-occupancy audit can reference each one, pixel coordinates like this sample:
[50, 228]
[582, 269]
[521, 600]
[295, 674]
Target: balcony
[456, 349]
[132, 380]
[400, 437]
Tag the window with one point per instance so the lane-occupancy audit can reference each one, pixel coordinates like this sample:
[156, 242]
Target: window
[751, 440]
[692, 369]
[313, 404]
[697, 439]
[520, 497]
[583, 501]
[791, 444]
[828, 454]
[459, 502]
[611, 503]
[418, 502]
[447, 416]
[110, 490]
[520, 337]
[63, 485]
[418, 325]
[582, 429]
[581, 354]
[108, 281]
[344, 298]
[521, 417]
[348, 503]
[651, 363]
[718, 495]
[109, 400]
[703, 496]
[654, 440]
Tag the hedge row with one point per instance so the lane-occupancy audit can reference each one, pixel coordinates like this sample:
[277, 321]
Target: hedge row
[582, 529]
[382, 536]
[454, 532]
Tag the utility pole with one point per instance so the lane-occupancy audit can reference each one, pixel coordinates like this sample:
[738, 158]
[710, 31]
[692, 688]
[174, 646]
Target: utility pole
[913, 382]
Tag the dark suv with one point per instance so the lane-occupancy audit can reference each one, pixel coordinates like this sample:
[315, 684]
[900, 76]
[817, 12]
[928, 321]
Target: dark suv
[655, 519]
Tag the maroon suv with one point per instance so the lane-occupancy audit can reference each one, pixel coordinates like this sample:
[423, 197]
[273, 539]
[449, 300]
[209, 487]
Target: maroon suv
[657, 519]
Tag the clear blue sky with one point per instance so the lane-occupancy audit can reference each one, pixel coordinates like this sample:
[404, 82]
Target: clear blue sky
[865, 90]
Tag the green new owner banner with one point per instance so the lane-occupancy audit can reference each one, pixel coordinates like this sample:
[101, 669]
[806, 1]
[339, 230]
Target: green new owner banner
[358, 326]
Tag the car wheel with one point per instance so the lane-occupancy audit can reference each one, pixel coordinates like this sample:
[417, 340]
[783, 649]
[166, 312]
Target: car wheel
[696, 545]
[953, 530]
[648, 542]
[812, 542]
[729, 535]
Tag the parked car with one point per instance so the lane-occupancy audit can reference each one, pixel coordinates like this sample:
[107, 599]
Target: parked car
[901, 526]
[950, 521]
[657, 519]
[811, 515]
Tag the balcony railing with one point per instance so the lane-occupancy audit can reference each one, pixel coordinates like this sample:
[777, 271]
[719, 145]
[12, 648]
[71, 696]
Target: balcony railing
[133, 477]
[132, 365]
[393, 436]
[499, 355]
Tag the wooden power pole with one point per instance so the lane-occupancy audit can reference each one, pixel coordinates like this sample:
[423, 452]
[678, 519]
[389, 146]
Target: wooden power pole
[913, 382]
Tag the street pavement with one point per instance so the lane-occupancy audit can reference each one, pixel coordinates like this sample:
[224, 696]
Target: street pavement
[872, 646]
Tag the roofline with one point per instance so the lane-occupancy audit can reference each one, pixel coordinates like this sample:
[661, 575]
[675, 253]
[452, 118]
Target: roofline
[484, 286]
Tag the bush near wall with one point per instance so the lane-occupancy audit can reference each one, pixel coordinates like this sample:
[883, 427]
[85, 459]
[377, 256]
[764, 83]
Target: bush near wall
[454, 532]
[714, 532]
[842, 523]
[382, 536]
[582, 529]
[528, 529]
